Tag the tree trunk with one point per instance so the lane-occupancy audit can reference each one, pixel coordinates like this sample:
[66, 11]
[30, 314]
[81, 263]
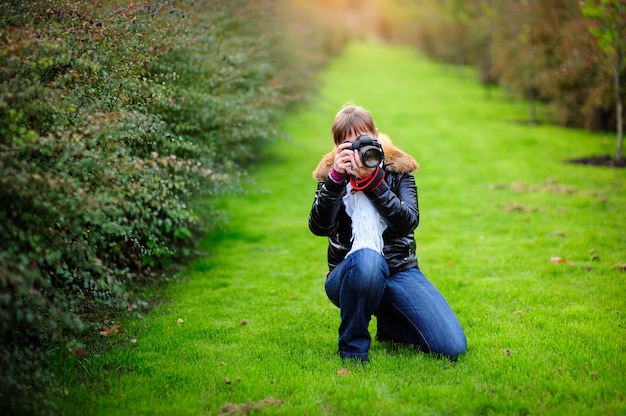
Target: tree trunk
[460, 54]
[532, 112]
[618, 105]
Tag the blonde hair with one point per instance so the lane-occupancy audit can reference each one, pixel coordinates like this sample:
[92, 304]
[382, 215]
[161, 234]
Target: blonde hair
[351, 119]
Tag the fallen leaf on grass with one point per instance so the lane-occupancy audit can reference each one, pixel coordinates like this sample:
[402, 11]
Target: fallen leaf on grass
[594, 256]
[180, 321]
[247, 408]
[557, 260]
[522, 311]
[110, 330]
[621, 266]
[343, 372]
[519, 208]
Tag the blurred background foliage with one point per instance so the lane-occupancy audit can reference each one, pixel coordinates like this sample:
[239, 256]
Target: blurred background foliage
[568, 54]
[119, 123]
[538, 50]
[561, 52]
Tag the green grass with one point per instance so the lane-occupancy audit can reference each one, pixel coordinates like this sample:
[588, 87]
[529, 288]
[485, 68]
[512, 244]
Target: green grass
[497, 202]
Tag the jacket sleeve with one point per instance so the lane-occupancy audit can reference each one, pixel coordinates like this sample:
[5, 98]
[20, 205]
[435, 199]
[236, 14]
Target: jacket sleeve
[326, 207]
[399, 209]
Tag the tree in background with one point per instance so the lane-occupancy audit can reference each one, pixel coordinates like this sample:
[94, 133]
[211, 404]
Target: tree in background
[541, 51]
[484, 21]
[459, 12]
[526, 38]
[608, 24]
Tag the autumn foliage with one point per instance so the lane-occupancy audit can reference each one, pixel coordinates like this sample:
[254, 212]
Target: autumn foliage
[542, 51]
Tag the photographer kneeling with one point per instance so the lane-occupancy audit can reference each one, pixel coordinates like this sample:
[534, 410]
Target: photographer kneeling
[366, 204]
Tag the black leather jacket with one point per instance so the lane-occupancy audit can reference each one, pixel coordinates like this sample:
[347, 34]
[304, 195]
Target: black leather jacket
[396, 202]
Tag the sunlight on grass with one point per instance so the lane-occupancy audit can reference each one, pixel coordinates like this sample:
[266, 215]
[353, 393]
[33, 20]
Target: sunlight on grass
[497, 203]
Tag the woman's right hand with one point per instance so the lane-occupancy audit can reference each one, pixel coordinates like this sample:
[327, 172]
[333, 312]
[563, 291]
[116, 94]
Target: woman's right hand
[344, 158]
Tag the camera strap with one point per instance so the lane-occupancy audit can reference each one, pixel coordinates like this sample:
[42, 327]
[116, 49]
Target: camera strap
[370, 183]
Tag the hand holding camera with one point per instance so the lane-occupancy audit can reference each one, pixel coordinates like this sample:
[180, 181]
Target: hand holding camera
[359, 158]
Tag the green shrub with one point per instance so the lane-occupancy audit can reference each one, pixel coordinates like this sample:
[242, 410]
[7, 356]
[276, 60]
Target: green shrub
[116, 120]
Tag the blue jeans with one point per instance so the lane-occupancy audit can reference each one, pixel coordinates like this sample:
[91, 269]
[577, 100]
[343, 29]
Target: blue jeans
[409, 309]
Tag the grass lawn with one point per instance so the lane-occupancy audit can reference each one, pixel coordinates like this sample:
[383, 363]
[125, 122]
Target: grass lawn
[249, 328]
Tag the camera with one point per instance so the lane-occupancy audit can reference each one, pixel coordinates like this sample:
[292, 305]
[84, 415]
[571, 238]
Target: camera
[370, 151]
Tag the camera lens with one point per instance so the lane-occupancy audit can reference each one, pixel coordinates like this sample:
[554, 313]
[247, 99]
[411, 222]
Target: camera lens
[371, 156]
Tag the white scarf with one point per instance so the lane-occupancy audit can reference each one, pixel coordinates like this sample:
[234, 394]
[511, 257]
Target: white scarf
[367, 224]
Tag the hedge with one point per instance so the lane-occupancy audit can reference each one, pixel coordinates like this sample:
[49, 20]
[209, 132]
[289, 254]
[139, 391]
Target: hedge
[117, 120]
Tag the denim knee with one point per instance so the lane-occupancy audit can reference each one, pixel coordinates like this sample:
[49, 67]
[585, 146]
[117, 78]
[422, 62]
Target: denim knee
[456, 345]
[368, 270]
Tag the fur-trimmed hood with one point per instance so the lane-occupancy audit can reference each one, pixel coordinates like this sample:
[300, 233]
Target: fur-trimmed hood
[395, 160]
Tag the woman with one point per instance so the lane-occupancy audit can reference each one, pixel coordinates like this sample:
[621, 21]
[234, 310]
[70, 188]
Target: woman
[369, 215]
